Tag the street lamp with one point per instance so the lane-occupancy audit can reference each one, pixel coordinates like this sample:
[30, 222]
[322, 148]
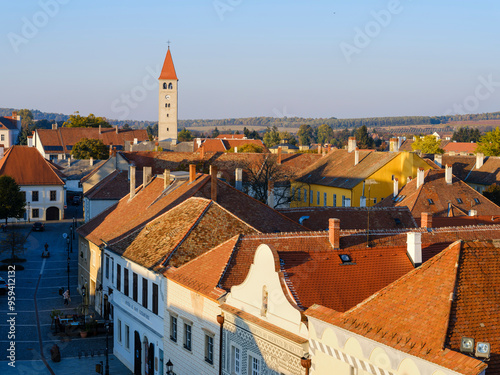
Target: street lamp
[106, 371]
[170, 368]
[70, 237]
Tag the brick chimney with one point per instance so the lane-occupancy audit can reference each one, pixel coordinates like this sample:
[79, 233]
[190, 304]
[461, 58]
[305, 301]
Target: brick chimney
[132, 181]
[147, 175]
[426, 220]
[414, 247]
[334, 232]
[420, 177]
[479, 160]
[351, 144]
[393, 145]
[192, 172]
[238, 176]
[395, 187]
[116, 129]
[319, 149]
[54, 126]
[279, 155]
[14, 115]
[329, 148]
[356, 156]
[166, 178]
[202, 151]
[448, 174]
[438, 159]
[213, 183]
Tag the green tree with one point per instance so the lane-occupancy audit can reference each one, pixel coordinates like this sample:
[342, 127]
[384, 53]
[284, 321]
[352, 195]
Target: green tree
[466, 134]
[91, 121]
[306, 135]
[288, 138]
[325, 134]
[26, 117]
[13, 243]
[90, 148]
[248, 147]
[363, 139]
[489, 144]
[493, 194]
[12, 200]
[271, 137]
[184, 135]
[427, 145]
[215, 132]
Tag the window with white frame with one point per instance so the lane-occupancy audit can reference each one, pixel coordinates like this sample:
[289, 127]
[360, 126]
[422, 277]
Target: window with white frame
[187, 336]
[173, 328]
[127, 337]
[235, 360]
[253, 365]
[209, 348]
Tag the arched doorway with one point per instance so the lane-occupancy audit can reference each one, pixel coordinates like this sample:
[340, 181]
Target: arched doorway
[52, 213]
[137, 353]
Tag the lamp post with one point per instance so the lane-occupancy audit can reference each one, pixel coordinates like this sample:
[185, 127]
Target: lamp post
[84, 294]
[70, 238]
[170, 368]
[106, 371]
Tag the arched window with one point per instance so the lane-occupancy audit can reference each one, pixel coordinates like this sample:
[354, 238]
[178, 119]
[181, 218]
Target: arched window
[170, 86]
[164, 85]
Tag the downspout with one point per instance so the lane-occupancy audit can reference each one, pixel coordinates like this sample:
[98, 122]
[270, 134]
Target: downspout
[305, 361]
[220, 320]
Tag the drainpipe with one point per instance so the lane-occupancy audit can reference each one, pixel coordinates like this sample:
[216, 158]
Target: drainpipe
[220, 320]
[305, 361]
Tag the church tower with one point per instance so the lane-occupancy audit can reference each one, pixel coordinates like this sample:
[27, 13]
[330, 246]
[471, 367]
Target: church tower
[167, 113]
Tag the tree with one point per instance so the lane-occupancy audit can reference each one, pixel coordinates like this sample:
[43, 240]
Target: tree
[215, 132]
[427, 145]
[184, 135]
[325, 134]
[363, 139]
[265, 171]
[12, 200]
[13, 243]
[77, 121]
[90, 148]
[26, 118]
[271, 137]
[493, 194]
[248, 147]
[489, 144]
[288, 138]
[466, 135]
[306, 135]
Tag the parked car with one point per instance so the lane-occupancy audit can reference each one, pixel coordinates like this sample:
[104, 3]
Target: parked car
[76, 200]
[38, 227]
[3, 286]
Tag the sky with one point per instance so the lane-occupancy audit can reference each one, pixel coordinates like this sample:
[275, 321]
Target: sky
[242, 58]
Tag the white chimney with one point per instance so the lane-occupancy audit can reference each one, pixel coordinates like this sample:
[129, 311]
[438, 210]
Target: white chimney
[351, 144]
[198, 142]
[54, 126]
[132, 181]
[147, 174]
[116, 129]
[420, 177]
[393, 145]
[239, 179]
[30, 141]
[91, 161]
[1, 152]
[438, 159]
[236, 150]
[270, 194]
[69, 162]
[356, 156]
[135, 141]
[473, 213]
[479, 160]
[395, 187]
[99, 129]
[448, 174]
[414, 247]
[166, 178]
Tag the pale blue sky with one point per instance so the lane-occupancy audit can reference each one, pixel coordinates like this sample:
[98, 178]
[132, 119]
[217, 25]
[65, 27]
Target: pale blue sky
[242, 58]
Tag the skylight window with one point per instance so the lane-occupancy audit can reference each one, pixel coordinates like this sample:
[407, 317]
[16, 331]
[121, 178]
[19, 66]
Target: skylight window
[345, 258]
[430, 201]
[459, 200]
[397, 221]
[476, 200]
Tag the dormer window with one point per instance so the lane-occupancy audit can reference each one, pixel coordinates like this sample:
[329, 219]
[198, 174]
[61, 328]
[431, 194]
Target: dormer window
[345, 258]
[459, 200]
[476, 200]
[430, 201]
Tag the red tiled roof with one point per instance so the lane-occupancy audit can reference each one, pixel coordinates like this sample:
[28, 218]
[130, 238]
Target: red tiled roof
[231, 136]
[460, 221]
[222, 145]
[337, 168]
[458, 147]
[441, 194]
[114, 186]
[168, 70]
[415, 314]
[8, 123]
[28, 167]
[352, 217]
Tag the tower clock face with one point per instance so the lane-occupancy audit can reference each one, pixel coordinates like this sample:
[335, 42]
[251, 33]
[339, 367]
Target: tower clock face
[167, 97]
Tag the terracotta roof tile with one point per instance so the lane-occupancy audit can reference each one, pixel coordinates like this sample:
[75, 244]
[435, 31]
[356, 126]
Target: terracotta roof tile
[28, 167]
[114, 186]
[458, 147]
[168, 70]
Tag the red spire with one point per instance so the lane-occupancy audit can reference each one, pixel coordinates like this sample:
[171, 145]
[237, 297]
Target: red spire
[168, 70]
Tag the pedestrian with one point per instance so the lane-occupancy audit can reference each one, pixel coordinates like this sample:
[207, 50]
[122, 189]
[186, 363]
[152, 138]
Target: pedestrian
[66, 297]
[46, 246]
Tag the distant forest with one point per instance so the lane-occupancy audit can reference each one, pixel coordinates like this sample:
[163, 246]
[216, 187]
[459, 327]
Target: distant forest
[284, 122]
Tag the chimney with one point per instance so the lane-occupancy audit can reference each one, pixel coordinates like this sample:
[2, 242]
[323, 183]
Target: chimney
[279, 155]
[110, 150]
[319, 149]
[329, 148]
[414, 247]
[236, 150]
[334, 232]
[239, 179]
[351, 144]
[116, 129]
[198, 142]
[135, 141]
[270, 194]
[202, 152]
[393, 145]
[356, 156]
[400, 142]
[426, 220]
[1, 151]
[69, 162]
[30, 141]
[132, 181]
[166, 179]
[100, 132]
[192, 172]
[420, 177]
[479, 160]
[438, 159]
[54, 126]
[213, 183]
[473, 213]
[395, 187]
[448, 174]
[147, 175]
[14, 115]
